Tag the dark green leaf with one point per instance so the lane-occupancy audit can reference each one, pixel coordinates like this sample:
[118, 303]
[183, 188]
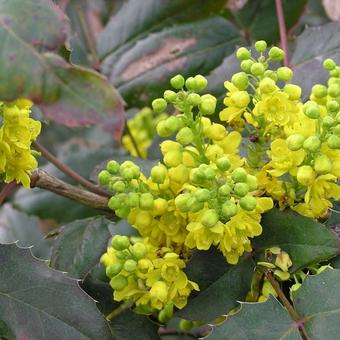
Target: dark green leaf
[313, 46]
[5, 332]
[142, 72]
[305, 240]
[40, 303]
[266, 321]
[123, 30]
[80, 245]
[221, 285]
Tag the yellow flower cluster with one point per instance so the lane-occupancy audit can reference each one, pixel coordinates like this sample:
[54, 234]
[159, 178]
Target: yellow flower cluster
[17, 132]
[142, 128]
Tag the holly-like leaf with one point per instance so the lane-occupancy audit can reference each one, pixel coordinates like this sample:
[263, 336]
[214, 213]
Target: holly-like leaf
[37, 302]
[67, 94]
[265, 321]
[313, 46]
[304, 239]
[221, 285]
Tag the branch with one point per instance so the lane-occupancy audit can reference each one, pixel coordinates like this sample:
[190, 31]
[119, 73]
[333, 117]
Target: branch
[68, 171]
[7, 190]
[283, 31]
[41, 179]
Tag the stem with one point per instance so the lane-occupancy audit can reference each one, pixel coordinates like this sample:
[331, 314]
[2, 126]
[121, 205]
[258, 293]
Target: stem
[283, 31]
[43, 180]
[119, 309]
[134, 143]
[291, 311]
[7, 190]
[68, 171]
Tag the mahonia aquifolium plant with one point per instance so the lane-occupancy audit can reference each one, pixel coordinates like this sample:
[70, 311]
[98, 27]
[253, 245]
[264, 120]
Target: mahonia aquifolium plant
[17, 132]
[204, 193]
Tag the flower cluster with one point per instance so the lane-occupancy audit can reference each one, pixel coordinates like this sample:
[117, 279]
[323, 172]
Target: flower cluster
[17, 132]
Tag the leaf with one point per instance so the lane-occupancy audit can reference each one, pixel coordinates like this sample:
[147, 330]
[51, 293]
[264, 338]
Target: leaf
[305, 240]
[40, 303]
[221, 285]
[266, 321]
[27, 230]
[142, 72]
[123, 30]
[5, 332]
[259, 18]
[67, 94]
[313, 46]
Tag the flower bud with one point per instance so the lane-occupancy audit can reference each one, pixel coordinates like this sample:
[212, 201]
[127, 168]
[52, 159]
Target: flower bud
[333, 90]
[185, 136]
[143, 219]
[311, 110]
[337, 118]
[229, 209]
[270, 74]
[257, 69]
[216, 132]
[248, 202]
[333, 142]
[158, 174]
[252, 182]
[209, 218]
[267, 85]
[240, 99]
[223, 163]
[160, 206]
[283, 261]
[333, 106]
[201, 83]
[132, 200]
[240, 80]
[162, 130]
[202, 195]
[194, 205]
[336, 130]
[113, 269]
[322, 164]
[224, 190]
[312, 143]
[120, 242]
[181, 202]
[260, 46]
[112, 167]
[305, 175]
[295, 142]
[170, 96]
[159, 291]
[241, 189]
[118, 282]
[191, 84]
[329, 64]
[328, 121]
[194, 99]
[159, 105]
[114, 203]
[186, 325]
[130, 265]
[119, 186]
[276, 54]
[239, 175]
[172, 123]
[207, 172]
[284, 73]
[173, 158]
[146, 201]
[177, 82]
[246, 65]
[319, 91]
[243, 54]
[122, 212]
[104, 177]
[293, 91]
[208, 104]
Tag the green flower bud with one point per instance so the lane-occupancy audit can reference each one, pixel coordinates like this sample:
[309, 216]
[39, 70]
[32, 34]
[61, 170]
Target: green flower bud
[120, 242]
[257, 69]
[185, 136]
[209, 218]
[333, 142]
[207, 172]
[186, 325]
[173, 158]
[202, 195]
[248, 203]
[334, 73]
[130, 265]
[312, 144]
[329, 64]
[196, 176]
[122, 255]
[191, 84]
[224, 190]
[181, 202]
[172, 123]
[112, 167]
[146, 201]
[243, 54]
[270, 74]
[328, 121]
[201, 83]
[240, 99]
[305, 175]
[284, 73]
[158, 174]
[159, 105]
[260, 46]
[119, 186]
[241, 189]
[127, 173]
[132, 200]
[170, 96]
[162, 130]
[311, 110]
[333, 106]
[334, 90]
[114, 203]
[194, 205]
[138, 250]
[113, 269]
[293, 91]
[322, 164]
[208, 104]
[104, 177]
[223, 163]
[239, 175]
[177, 82]
[336, 130]
[246, 65]
[337, 118]
[122, 212]
[194, 99]
[252, 182]
[229, 209]
[267, 85]
[319, 91]
[276, 54]
[295, 142]
[118, 282]
[240, 80]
